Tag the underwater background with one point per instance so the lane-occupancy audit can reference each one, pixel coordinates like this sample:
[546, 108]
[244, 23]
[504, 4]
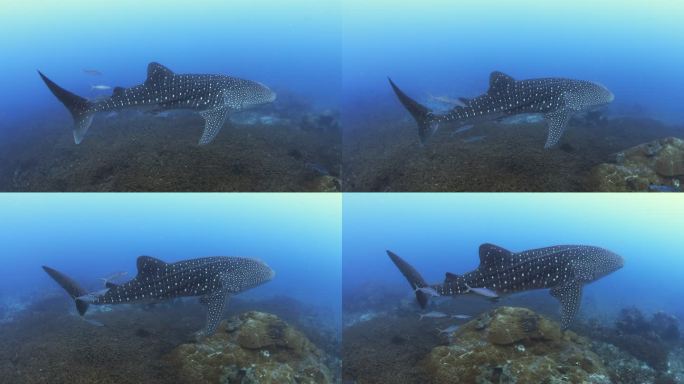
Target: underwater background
[88, 236]
[263, 40]
[448, 48]
[91, 236]
[438, 233]
[289, 145]
[437, 51]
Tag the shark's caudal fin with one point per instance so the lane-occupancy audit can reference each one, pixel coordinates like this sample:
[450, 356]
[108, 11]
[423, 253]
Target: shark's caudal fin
[414, 278]
[73, 289]
[77, 105]
[426, 125]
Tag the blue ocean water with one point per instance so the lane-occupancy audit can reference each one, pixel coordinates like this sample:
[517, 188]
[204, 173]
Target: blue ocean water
[89, 236]
[439, 233]
[291, 46]
[448, 48]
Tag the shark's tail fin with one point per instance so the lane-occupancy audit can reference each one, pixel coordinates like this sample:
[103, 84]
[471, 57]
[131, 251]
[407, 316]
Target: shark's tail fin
[424, 117]
[73, 289]
[77, 105]
[414, 278]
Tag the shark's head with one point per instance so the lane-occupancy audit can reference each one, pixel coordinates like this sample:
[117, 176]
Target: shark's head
[604, 262]
[252, 272]
[587, 95]
[256, 93]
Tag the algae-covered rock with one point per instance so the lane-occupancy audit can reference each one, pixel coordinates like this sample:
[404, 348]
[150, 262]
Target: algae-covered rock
[254, 347]
[658, 163]
[515, 345]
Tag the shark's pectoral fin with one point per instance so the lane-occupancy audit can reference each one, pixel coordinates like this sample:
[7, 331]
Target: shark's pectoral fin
[215, 302]
[214, 121]
[570, 296]
[557, 120]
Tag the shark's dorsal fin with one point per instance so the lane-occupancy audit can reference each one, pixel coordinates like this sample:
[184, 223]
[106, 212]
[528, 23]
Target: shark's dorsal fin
[117, 91]
[493, 255]
[157, 73]
[499, 81]
[570, 297]
[149, 265]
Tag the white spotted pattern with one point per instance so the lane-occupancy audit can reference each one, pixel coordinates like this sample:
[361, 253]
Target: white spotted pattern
[563, 268]
[212, 278]
[554, 98]
[215, 95]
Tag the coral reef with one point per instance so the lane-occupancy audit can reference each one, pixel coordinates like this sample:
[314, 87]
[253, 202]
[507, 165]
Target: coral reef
[649, 340]
[254, 347]
[135, 151]
[658, 163]
[511, 344]
[622, 367]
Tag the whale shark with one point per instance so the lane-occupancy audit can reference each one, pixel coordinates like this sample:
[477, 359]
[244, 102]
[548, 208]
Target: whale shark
[213, 279]
[564, 269]
[214, 96]
[556, 99]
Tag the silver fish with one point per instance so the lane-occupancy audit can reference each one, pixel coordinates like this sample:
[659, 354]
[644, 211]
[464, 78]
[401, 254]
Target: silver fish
[428, 291]
[433, 315]
[448, 330]
[486, 292]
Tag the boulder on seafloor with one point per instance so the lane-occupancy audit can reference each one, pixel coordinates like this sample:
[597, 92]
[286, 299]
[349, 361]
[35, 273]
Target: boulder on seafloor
[659, 163]
[253, 347]
[515, 345]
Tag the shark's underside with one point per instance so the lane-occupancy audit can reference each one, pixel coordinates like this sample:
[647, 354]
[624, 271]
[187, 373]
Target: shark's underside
[214, 96]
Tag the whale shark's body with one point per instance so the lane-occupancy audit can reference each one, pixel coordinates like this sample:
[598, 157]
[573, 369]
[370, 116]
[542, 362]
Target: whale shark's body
[556, 99]
[215, 96]
[564, 269]
[213, 279]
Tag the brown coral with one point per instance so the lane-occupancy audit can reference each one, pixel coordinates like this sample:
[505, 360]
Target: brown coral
[658, 162]
[254, 347]
[514, 345]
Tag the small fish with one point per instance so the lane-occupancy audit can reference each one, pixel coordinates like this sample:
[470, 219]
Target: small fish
[447, 100]
[486, 292]
[114, 276]
[433, 315]
[100, 87]
[93, 322]
[473, 139]
[465, 128]
[461, 317]
[428, 291]
[662, 188]
[448, 330]
[318, 168]
[92, 72]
